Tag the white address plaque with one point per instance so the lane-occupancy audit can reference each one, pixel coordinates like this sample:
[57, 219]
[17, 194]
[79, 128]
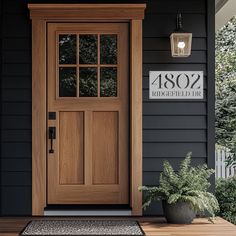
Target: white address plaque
[176, 85]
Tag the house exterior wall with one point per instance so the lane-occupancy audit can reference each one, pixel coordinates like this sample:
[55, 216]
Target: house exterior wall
[170, 128]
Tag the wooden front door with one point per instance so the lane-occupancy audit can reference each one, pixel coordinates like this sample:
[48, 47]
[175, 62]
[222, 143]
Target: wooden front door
[87, 102]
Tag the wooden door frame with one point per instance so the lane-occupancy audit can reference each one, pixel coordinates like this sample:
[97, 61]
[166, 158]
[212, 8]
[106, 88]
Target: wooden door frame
[40, 15]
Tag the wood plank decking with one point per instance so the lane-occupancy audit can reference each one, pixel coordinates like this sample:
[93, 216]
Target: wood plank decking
[11, 226]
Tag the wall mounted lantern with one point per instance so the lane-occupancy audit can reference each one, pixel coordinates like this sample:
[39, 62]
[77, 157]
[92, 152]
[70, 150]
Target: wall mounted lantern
[181, 41]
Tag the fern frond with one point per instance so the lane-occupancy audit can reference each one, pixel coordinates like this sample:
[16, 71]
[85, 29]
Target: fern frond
[189, 184]
[173, 198]
[185, 165]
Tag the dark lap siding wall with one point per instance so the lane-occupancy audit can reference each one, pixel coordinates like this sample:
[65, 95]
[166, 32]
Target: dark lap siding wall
[16, 111]
[170, 128]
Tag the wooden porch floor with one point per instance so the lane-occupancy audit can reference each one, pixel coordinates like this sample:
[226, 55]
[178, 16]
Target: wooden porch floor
[151, 225]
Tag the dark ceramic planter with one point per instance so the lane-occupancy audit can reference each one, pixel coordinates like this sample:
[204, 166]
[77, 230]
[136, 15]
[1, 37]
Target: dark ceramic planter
[178, 213]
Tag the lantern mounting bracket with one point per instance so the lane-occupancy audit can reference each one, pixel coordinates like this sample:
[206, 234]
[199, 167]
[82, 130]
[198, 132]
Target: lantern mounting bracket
[179, 26]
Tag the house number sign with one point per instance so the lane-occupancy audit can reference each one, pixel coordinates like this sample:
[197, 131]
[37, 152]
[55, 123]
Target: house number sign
[176, 85]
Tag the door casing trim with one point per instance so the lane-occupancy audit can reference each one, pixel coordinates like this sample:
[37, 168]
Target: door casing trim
[41, 14]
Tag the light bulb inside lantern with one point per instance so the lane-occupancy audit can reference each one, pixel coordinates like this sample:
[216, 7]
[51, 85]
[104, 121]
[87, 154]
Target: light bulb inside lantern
[181, 45]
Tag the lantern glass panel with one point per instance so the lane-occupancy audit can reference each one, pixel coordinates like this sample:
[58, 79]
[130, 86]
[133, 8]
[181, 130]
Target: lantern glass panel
[181, 44]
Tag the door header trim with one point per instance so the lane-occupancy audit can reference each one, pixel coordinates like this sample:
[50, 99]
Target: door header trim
[87, 11]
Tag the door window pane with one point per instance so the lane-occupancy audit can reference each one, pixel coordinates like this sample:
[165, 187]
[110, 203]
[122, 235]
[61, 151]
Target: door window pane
[108, 49]
[88, 49]
[108, 82]
[88, 82]
[67, 49]
[67, 82]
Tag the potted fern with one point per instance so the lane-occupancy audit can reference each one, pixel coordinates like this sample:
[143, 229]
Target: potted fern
[184, 193]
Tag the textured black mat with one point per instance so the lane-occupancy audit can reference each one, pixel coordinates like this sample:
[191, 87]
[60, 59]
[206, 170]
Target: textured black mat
[83, 227]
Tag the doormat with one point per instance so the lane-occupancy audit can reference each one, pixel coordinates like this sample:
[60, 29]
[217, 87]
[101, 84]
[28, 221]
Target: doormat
[83, 227]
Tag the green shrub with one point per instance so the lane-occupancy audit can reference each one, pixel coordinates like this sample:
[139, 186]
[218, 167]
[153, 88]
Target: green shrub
[226, 195]
[189, 184]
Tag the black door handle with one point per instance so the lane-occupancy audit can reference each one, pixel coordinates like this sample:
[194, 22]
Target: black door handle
[52, 135]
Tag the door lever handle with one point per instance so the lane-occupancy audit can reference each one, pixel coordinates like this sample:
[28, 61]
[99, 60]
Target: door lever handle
[52, 135]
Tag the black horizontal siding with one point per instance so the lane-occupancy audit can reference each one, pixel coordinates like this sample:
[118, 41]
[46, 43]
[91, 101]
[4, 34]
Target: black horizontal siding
[174, 122]
[152, 57]
[169, 150]
[14, 44]
[14, 135]
[16, 150]
[165, 23]
[23, 28]
[174, 136]
[156, 164]
[171, 128]
[170, 6]
[15, 69]
[17, 56]
[155, 208]
[174, 67]
[19, 108]
[16, 178]
[16, 95]
[16, 200]
[16, 122]
[16, 165]
[173, 108]
[151, 178]
[16, 82]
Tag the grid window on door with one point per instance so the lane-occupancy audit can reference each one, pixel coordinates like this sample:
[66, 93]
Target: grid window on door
[87, 65]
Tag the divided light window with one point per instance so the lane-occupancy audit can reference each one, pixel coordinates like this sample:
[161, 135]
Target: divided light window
[87, 65]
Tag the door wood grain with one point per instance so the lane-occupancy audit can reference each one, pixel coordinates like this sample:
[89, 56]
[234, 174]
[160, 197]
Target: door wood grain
[91, 159]
[105, 148]
[71, 148]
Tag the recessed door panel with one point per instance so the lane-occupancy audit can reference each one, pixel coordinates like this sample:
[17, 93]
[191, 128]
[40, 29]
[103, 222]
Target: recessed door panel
[71, 148]
[87, 76]
[105, 156]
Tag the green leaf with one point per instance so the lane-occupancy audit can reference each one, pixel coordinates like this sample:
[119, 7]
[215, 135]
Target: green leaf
[189, 184]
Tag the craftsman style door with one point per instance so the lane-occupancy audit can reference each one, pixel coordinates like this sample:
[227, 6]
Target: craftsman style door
[88, 113]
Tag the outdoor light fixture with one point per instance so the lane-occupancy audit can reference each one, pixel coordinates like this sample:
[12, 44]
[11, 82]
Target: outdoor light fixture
[180, 41]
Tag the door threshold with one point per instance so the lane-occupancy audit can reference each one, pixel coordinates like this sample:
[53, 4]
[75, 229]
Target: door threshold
[88, 210]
